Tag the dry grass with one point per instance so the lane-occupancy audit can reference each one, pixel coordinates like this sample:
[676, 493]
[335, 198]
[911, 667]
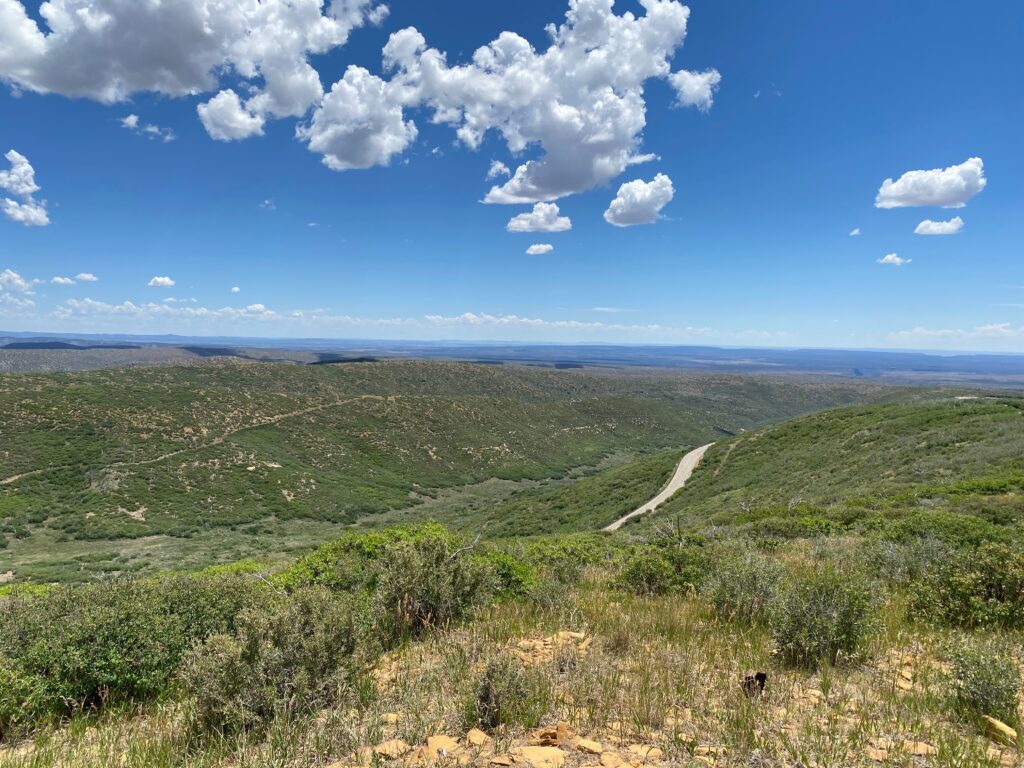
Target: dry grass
[649, 681]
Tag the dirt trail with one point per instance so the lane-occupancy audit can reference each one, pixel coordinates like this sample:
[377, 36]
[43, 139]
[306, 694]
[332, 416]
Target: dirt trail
[686, 466]
[216, 441]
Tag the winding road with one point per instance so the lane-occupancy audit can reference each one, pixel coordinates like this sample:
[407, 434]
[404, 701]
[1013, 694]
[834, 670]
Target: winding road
[686, 466]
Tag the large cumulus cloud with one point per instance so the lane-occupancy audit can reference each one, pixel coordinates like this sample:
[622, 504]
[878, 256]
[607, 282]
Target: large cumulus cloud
[108, 50]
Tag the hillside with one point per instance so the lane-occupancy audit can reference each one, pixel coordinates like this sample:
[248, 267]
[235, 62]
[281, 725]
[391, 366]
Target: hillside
[579, 505]
[115, 470]
[958, 454]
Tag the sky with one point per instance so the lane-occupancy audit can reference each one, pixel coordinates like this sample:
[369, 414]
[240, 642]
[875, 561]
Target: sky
[747, 173]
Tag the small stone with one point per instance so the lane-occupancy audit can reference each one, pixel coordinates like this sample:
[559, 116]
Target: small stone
[611, 760]
[919, 748]
[588, 746]
[999, 731]
[706, 750]
[876, 754]
[392, 748]
[443, 744]
[646, 752]
[543, 757]
[504, 760]
[476, 738]
[422, 755]
[1001, 757]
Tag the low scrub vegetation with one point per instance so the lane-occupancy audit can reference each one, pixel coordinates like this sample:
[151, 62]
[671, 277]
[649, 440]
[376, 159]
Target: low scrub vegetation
[718, 646]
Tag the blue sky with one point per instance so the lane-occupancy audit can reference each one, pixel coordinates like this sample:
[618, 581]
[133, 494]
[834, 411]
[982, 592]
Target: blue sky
[817, 105]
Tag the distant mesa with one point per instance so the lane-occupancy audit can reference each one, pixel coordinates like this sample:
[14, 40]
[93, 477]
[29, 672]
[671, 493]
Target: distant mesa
[343, 360]
[64, 345]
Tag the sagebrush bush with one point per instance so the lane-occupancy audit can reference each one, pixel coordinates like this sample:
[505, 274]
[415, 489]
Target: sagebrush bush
[986, 681]
[428, 582]
[743, 584]
[902, 562]
[80, 647]
[508, 694]
[823, 616]
[289, 657]
[975, 587]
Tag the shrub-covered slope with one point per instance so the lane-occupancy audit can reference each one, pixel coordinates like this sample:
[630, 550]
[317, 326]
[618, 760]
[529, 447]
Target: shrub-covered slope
[244, 457]
[863, 465]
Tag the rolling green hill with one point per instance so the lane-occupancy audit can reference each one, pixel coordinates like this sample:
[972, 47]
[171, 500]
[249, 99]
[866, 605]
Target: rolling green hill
[585, 504]
[121, 469]
[957, 454]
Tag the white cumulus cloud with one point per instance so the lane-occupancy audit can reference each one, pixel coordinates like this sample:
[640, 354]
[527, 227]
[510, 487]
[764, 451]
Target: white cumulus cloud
[940, 187]
[86, 277]
[226, 119]
[580, 101]
[640, 202]
[108, 50]
[543, 218]
[236, 289]
[696, 89]
[855, 232]
[360, 123]
[893, 260]
[497, 170]
[12, 281]
[929, 227]
[161, 282]
[540, 249]
[62, 281]
[20, 181]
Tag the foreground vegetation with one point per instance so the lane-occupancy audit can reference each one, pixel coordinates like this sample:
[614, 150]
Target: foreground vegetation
[412, 645]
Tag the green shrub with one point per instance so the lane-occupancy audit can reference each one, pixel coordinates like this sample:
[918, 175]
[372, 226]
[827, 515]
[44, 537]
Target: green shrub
[513, 577]
[508, 694]
[428, 582]
[22, 697]
[743, 584]
[647, 573]
[977, 587]
[823, 616]
[348, 563]
[985, 682]
[290, 657]
[669, 565]
[122, 640]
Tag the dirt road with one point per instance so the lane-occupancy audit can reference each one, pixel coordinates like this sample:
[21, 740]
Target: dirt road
[686, 466]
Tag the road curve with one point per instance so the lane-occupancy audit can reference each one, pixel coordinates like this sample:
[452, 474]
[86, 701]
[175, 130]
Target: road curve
[686, 466]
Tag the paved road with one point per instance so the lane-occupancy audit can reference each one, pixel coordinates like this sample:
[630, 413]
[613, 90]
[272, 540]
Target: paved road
[686, 466]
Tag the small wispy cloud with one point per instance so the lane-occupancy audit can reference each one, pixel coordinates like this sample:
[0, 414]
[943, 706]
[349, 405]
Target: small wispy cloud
[161, 281]
[855, 232]
[151, 131]
[540, 249]
[893, 260]
[929, 227]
